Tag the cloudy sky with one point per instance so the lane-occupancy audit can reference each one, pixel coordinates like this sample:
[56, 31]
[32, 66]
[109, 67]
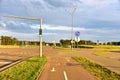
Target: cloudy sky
[95, 19]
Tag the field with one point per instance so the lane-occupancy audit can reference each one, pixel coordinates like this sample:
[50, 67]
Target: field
[110, 47]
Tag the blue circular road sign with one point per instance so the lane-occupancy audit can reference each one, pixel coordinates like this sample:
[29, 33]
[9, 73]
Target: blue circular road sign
[77, 33]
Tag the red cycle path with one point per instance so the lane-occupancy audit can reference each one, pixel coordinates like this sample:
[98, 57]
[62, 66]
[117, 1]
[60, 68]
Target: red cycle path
[64, 68]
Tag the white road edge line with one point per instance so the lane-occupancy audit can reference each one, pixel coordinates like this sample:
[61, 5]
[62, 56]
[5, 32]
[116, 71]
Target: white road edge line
[65, 75]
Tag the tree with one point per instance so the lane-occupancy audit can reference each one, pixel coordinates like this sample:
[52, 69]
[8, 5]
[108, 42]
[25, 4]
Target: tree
[65, 43]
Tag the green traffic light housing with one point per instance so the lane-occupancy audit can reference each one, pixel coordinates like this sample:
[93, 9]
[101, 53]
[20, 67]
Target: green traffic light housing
[40, 31]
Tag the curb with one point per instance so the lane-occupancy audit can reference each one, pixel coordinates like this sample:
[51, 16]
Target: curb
[40, 72]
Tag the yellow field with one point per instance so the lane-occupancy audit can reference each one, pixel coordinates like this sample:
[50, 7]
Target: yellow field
[16, 46]
[102, 46]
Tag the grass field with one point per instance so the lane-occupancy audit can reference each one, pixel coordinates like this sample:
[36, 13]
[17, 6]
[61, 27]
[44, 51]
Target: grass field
[100, 46]
[80, 46]
[26, 70]
[97, 70]
[16, 46]
[101, 53]
[9, 46]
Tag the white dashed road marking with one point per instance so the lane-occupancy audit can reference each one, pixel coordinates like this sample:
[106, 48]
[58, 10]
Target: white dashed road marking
[65, 75]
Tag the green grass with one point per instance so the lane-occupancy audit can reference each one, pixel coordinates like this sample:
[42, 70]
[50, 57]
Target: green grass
[26, 70]
[96, 69]
[101, 46]
[101, 53]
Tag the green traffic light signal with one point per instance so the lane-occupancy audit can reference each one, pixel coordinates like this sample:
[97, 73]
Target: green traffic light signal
[40, 31]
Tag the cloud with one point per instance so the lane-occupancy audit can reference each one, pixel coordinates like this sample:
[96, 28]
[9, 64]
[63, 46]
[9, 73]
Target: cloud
[2, 24]
[57, 28]
[95, 19]
[62, 3]
[20, 36]
[61, 28]
[50, 34]
[16, 26]
[98, 3]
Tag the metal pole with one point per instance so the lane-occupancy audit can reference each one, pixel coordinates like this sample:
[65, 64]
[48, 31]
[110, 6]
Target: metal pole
[72, 35]
[77, 42]
[40, 48]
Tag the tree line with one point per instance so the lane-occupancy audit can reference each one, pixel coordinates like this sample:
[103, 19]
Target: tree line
[67, 42]
[7, 40]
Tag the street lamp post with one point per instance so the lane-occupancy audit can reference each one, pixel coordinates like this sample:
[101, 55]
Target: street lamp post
[72, 34]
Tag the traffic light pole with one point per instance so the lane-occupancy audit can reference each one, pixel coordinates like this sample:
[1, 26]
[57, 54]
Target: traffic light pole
[40, 31]
[40, 36]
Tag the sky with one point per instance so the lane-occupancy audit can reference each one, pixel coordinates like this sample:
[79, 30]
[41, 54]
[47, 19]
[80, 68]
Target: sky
[94, 19]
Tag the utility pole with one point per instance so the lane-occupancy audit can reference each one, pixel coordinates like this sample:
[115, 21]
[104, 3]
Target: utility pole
[40, 30]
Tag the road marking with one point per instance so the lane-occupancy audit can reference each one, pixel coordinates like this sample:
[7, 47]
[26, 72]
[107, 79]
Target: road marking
[53, 69]
[65, 75]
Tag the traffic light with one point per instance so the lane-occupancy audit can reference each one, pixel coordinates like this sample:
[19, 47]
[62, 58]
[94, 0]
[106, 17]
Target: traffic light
[40, 31]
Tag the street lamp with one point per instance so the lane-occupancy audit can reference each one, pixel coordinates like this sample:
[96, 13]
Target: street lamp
[72, 34]
[40, 30]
